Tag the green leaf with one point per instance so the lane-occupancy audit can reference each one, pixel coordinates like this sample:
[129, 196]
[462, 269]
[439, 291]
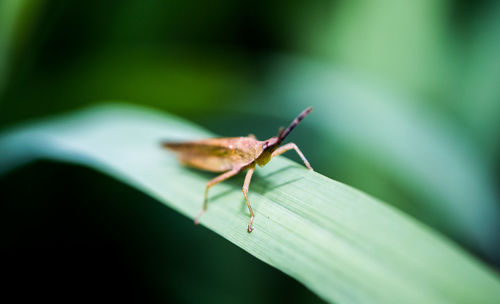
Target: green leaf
[342, 244]
[428, 155]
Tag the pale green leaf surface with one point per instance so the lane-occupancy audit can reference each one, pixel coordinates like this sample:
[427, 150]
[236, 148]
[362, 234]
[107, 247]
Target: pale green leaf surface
[430, 156]
[342, 244]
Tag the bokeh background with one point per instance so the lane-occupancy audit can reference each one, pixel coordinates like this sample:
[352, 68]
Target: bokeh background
[406, 98]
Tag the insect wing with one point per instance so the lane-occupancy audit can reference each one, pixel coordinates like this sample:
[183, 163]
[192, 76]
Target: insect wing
[217, 155]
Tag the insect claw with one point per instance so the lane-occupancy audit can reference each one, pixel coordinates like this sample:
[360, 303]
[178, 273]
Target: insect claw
[250, 228]
[197, 219]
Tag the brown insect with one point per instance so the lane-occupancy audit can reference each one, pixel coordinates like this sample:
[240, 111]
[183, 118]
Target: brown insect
[233, 155]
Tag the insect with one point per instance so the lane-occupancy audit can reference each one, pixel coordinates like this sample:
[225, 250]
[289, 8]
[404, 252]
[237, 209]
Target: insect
[234, 155]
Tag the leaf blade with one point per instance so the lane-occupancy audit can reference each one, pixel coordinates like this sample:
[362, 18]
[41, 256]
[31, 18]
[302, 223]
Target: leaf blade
[342, 244]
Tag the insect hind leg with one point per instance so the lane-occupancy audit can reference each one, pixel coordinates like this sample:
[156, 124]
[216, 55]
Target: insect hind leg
[211, 183]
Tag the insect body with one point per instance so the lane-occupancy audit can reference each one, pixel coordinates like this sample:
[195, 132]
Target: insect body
[234, 155]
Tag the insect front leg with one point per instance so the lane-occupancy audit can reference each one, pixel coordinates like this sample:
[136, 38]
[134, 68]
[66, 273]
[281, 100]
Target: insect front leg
[291, 146]
[214, 181]
[246, 185]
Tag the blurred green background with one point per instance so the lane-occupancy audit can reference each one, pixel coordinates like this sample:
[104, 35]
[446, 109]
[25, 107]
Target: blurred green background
[406, 100]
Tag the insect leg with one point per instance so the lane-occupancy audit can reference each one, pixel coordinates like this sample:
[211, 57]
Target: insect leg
[291, 146]
[246, 184]
[215, 181]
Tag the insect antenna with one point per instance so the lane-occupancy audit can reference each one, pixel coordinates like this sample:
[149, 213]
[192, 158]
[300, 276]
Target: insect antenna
[284, 133]
[280, 130]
